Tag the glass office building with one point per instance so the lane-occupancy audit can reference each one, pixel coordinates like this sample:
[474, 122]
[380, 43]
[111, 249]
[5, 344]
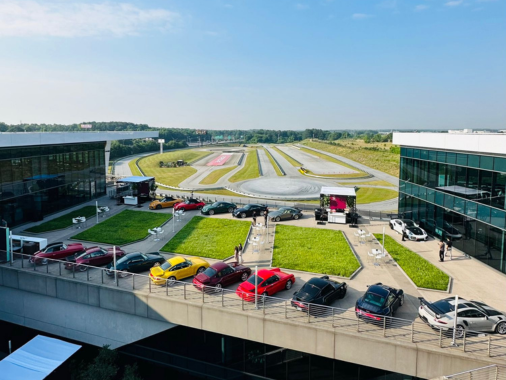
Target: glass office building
[43, 173]
[455, 188]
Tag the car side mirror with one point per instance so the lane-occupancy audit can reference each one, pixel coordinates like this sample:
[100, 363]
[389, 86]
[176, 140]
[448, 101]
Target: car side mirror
[294, 293]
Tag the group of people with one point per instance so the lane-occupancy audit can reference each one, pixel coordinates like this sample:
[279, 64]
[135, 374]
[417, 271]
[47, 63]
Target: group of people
[254, 220]
[238, 253]
[445, 249]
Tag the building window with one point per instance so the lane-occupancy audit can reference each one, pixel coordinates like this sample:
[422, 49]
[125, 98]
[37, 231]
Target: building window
[473, 161]
[461, 159]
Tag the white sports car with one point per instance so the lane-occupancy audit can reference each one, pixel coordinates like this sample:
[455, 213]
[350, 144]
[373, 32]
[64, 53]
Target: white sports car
[471, 315]
[410, 228]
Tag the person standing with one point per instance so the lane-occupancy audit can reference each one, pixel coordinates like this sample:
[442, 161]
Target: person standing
[236, 254]
[240, 253]
[266, 212]
[404, 235]
[449, 246]
[441, 250]
[254, 221]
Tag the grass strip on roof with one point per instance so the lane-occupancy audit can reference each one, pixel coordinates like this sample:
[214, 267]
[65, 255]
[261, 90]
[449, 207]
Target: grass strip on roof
[250, 169]
[313, 250]
[420, 271]
[123, 228]
[63, 221]
[209, 237]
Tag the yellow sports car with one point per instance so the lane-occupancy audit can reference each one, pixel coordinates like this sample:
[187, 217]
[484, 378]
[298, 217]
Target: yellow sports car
[164, 203]
[177, 268]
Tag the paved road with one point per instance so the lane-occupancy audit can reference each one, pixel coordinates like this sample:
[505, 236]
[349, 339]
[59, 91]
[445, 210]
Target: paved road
[378, 174]
[291, 171]
[265, 164]
[121, 167]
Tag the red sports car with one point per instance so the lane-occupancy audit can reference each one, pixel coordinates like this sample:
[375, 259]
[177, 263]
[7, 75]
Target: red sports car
[94, 256]
[189, 204]
[269, 282]
[221, 274]
[56, 251]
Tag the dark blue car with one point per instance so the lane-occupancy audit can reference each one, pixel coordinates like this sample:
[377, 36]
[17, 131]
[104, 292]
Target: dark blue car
[379, 300]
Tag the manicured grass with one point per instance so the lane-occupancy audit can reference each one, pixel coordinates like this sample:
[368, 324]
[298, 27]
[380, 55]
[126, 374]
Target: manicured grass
[273, 163]
[215, 175]
[150, 165]
[313, 250]
[126, 227]
[291, 160]
[373, 194]
[250, 169]
[419, 270]
[372, 183]
[208, 237]
[63, 221]
[376, 156]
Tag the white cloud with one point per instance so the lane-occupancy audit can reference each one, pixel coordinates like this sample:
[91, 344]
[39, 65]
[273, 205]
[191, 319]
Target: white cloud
[361, 16]
[301, 6]
[62, 19]
[421, 7]
[454, 3]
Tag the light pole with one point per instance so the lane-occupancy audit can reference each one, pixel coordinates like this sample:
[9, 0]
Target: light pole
[161, 141]
[256, 286]
[383, 248]
[455, 321]
[114, 263]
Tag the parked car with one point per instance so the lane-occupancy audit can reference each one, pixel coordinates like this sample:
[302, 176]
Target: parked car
[321, 214]
[189, 204]
[269, 282]
[222, 274]
[135, 262]
[285, 213]
[218, 208]
[471, 315]
[56, 251]
[94, 256]
[318, 291]
[177, 268]
[409, 228]
[379, 300]
[248, 210]
[440, 229]
[164, 203]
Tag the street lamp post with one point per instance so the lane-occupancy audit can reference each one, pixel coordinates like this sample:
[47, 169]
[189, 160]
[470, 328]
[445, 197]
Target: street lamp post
[161, 141]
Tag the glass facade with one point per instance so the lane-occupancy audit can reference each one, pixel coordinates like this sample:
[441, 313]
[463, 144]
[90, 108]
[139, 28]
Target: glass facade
[457, 196]
[40, 180]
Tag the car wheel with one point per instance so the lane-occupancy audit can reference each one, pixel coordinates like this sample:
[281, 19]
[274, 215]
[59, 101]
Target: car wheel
[217, 287]
[278, 218]
[501, 328]
[44, 261]
[391, 226]
[158, 207]
[230, 209]
[211, 212]
[243, 215]
[288, 285]
[200, 270]
[171, 281]
[123, 273]
[244, 276]
[265, 294]
[199, 208]
[296, 216]
[401, 301]
[82, 268]
[459, 332]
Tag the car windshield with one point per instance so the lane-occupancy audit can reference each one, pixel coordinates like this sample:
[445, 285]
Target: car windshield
[374, 299]
[444, 306]
[215, 204]
[409, 223]
[310, 289]
[166, 265]
[82, 255]
[252, 280]
[64, 246]
[144, 256]
[125, 258]
[187, 202]
[210, 272]
[487, 309]
[247, 207]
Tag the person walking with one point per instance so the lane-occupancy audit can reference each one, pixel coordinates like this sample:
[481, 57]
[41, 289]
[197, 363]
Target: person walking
[449, 246]
[240, 253]
[254, 221]
[441, 250]
[236, 254]
[404, 235]
[266, 212]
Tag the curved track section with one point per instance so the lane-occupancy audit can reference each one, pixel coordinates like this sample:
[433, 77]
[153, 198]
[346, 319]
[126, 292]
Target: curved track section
[282, 187]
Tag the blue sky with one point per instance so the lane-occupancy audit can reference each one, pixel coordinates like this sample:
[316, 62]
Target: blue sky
[330, 64]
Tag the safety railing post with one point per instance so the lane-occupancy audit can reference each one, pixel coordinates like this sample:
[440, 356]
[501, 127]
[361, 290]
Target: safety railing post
[133, 281]
[88, 274]
[440, 337]
[263, 304]
[308, 314]
[333, 317]
[242, 304]
[413, 332]
[286, 310]
[184, 290]
[203, 294]
[496, 372]
[102, 271]
[47, 267]
[73, 271]
[464, 341]
[150, 285]
[34, 264]
[222, 301]
[385, 326]
[167, 288]
[59, 267]
[489, 338]
[22, 261]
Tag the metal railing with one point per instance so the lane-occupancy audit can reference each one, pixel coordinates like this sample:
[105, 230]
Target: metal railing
[319, 316]
[490, 372]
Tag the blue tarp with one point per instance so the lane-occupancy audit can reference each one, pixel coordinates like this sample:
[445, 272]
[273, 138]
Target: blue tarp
[135, 179]
[36, 359]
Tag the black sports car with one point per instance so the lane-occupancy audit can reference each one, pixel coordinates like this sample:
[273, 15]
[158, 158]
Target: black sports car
[379, 300]
[318, 291]
[135, 262]
[248, 210]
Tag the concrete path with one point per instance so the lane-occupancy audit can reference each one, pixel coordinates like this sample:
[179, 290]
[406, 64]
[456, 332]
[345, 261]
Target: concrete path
[121, 167]
[378, 174]
[265, 164]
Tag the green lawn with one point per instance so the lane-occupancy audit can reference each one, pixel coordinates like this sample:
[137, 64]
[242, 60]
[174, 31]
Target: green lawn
[215, 175]
[313, 250]
[209, 237]
[373, 194]
[419, 270]
[250, 169]
[169, 176]
[291, 160]
[273, 163]
[63, 221]
[126, 227]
